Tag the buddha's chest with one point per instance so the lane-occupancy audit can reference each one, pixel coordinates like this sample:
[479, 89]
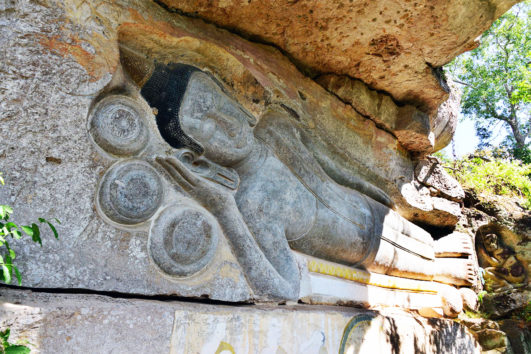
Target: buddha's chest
[272, 194]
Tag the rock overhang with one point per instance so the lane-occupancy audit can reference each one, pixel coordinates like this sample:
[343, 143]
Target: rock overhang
[393, 46]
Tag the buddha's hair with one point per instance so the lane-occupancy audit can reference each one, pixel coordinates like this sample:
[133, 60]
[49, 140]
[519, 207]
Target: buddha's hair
[164, 91]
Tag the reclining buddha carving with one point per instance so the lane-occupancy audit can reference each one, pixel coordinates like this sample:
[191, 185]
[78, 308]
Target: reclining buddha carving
[255, 182]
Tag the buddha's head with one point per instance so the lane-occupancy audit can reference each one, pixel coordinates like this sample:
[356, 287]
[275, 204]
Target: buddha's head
[490, 241]
[194, 112]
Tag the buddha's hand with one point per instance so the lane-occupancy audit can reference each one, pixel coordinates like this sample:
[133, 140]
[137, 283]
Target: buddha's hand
[212, 196]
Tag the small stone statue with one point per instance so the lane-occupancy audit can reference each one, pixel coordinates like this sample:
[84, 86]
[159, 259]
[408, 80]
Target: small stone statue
[503, 269]
[270, 195]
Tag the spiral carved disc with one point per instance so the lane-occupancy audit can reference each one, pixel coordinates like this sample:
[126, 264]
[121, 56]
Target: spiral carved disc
[130, 192]
[183, 240]
[117, 125]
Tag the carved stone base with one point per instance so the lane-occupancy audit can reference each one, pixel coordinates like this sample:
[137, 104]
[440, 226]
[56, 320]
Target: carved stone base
[325, 282]
[61, 323]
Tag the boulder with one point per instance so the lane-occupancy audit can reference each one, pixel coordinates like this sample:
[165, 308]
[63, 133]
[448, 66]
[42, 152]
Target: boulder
[431, 174]
[518, 334]
[499, 305]
[492, 339]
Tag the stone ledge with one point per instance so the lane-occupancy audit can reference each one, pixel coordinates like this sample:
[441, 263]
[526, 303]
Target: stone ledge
[408, 124]
[78, 323]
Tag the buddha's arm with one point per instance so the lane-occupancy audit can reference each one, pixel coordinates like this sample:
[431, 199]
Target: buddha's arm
[486, 260]
[265, 280]
[262, 275]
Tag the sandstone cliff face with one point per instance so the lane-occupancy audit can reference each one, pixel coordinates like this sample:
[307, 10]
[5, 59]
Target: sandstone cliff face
[393, 46]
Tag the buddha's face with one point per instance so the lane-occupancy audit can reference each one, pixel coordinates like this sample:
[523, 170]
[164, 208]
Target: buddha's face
[491, 242]
[215, 121]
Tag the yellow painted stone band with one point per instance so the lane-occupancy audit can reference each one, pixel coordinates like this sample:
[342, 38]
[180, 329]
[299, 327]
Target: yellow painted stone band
[364, 277]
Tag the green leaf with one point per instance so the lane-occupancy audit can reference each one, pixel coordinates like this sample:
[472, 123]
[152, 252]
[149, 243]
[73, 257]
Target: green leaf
[51, 226]
[36, 237]
[16, 234]
[12, 254]
[10, 226]
[5, 210]
[17, 349]
[6, 273]
[28, 230]
[8, 260]
[54, 231]
[18, 275]
[4, 335]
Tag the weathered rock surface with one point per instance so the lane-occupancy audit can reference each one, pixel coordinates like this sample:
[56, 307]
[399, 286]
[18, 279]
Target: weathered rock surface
[518, 334]
[84, 143]
[59, 61]
[392, 46]
[471, 219]
[492, 339]
[431, 174]
[443, 124]
[62, 323]
[410, 126]
[64, 64]
[488, 334]
[52, 168]
[499, 305]
[504, 255]
[427, 209]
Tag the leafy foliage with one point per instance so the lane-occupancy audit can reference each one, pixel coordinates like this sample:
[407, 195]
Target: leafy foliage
[497, 82]
[8, 348]
[9, 231]
[525, 314]
[486, 174]
[481, 294]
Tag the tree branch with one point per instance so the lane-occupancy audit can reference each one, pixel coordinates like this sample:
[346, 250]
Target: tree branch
[462, 83]
[492, 111]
